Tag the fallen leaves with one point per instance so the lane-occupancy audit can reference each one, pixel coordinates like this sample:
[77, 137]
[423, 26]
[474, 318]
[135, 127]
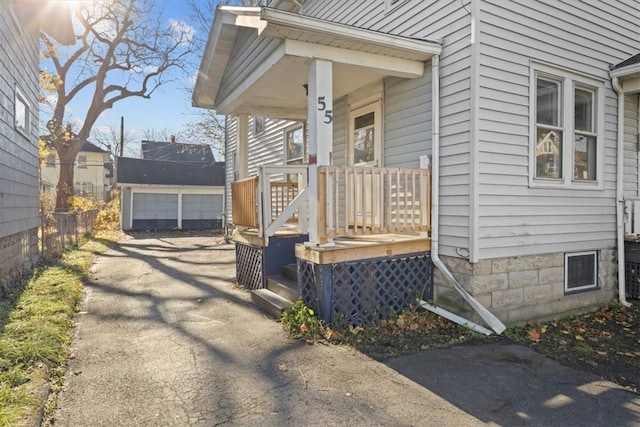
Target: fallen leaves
[604, 341]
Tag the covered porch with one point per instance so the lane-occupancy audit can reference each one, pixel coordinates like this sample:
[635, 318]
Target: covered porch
[355, 228]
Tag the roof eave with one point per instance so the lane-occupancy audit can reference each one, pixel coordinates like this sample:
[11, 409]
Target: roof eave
[227, 20]
[628, 72]
[276, 22]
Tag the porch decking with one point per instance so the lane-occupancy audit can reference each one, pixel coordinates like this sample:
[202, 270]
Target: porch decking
[344, 248]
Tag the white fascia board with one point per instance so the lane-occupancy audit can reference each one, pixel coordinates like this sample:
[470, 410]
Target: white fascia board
[387, 65]
[225, 17]
[629, 71]
[412, 48]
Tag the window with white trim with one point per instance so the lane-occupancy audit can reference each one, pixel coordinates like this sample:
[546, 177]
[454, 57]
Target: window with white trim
[258, 125]
[21, 113]
[82, 161]
[568, 125]
[580, 271]
[295, 146]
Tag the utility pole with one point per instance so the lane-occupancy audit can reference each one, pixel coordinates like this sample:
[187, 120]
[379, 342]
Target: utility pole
[121, 136]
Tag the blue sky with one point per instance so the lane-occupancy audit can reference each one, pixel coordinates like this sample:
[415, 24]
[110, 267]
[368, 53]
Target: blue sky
[168, 111]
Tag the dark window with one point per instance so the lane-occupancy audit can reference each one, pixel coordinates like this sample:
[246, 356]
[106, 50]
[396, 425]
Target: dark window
[581, 271]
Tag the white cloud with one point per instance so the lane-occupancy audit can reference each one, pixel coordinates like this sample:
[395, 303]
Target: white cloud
[182, 31]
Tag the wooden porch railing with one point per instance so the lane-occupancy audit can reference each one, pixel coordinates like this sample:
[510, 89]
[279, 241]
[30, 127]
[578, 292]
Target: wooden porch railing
[244, 207]
[266, 202]
[370, 200]
[282, 194]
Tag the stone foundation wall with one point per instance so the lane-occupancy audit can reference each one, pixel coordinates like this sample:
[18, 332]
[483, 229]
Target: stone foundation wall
[517, 289]
[18, 253]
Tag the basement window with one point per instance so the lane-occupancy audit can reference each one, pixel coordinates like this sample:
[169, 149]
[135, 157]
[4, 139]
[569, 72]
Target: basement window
[580, 271]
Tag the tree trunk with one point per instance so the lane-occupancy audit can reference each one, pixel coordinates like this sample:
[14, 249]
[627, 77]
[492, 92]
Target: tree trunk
[64, 189]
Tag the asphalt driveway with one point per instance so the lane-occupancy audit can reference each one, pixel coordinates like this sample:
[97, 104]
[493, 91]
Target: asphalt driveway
[165, 338]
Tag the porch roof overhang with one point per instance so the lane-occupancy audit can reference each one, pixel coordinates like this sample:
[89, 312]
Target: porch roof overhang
[628, 74]
[273, 84]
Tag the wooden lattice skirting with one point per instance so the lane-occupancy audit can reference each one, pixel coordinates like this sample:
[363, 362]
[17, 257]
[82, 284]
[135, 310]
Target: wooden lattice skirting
[363, 291]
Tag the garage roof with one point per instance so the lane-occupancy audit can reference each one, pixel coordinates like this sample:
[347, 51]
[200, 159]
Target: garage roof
[157, 172]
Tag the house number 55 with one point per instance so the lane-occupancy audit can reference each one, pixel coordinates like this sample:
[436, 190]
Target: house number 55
[322, 106]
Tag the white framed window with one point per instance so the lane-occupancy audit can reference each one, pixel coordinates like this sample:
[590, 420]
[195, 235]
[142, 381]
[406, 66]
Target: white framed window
[82, 161]
[580, 271]
[51, 160]
[295, 147]
[365, 136]
[567, 127]
[258, 125]
[22, 113]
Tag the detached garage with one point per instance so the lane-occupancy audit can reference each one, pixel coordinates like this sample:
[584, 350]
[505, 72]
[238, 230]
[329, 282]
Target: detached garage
[163, 195]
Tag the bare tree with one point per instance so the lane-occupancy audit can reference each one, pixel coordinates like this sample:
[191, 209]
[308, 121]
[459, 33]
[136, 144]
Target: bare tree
[206, 128]
[122, 51]
[109, 138]
[160, 135]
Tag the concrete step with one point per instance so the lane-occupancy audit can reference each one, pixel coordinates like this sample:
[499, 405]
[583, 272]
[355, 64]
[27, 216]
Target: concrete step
[269, 301]
[284, 287]
[290, 271]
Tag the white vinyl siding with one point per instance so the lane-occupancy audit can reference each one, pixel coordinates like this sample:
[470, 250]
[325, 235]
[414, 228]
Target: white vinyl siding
[585, 38]
[267, 148]
[230, 155]
[631, 149]
[429, 20]
[407, 120]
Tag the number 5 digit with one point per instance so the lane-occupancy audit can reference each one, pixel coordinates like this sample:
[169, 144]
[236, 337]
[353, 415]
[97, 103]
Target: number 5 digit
[322, 105]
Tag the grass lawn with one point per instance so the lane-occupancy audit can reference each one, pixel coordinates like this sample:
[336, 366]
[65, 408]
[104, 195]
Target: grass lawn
[36, 327]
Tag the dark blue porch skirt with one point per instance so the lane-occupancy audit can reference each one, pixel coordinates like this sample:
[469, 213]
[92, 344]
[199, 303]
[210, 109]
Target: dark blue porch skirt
[364, 291]
[254, 264]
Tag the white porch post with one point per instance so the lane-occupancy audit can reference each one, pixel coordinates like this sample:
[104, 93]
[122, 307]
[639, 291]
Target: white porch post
[242, 146]
[320, 122]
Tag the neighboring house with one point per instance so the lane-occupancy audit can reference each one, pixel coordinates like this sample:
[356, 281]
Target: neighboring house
[174, 186]
[19, 160]
[526, 113]
[92, 172]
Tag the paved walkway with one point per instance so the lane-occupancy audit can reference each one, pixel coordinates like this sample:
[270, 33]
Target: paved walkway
[166, 339]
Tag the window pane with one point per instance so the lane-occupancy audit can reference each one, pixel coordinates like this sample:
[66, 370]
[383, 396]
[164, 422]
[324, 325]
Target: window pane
[548, 103]
[581, 271]
[363, 138]
[584, 110]
[584, 158]
[294, 144]
[21, 114]
[548, 153]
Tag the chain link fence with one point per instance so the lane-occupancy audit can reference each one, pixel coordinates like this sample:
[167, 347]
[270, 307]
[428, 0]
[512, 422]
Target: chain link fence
[60, 229]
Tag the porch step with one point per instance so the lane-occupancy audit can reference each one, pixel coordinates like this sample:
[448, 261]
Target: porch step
[281, 291]
[284, 287]
[290, 271]
[270, 302]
